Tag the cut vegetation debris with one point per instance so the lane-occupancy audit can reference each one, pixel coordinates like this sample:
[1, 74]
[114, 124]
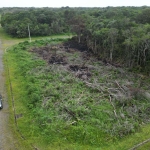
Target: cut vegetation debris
[69, 98]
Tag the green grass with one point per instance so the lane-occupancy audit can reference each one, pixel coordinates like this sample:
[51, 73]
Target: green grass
[66, 98]
[58, 110]
[8, 41]
[8, 37]
[28, 93]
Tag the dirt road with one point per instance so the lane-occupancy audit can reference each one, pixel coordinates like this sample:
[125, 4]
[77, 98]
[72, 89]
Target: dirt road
[6, 137]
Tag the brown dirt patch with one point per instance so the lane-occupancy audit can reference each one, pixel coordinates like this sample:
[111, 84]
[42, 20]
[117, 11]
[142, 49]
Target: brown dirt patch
[50, 55]
[55, 59]
[58, 55]
[81, 72]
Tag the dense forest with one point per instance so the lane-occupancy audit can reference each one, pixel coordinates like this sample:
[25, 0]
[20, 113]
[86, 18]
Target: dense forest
[114, 34]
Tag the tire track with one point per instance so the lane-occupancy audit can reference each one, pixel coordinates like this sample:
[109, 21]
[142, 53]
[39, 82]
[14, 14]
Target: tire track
[5, 134]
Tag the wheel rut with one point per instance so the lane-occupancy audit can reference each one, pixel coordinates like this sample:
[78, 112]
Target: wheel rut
[6, 136]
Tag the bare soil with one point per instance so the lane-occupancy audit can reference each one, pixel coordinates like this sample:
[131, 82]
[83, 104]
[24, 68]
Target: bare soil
[58, 55]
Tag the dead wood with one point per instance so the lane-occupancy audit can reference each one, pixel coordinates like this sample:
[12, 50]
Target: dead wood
[80, 97]
[120, 87]
[72, 123]
[71, 113]
[93, 86]
[113, 106]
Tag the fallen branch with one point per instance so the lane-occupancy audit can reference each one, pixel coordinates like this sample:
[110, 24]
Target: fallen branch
[94, 86]
[113, 106]
[71, 113]
[72, 123]
[140, 144]
[80, 97]
[120, 87]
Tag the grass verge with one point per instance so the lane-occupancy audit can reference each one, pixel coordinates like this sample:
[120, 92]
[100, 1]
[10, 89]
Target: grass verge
[6, 43]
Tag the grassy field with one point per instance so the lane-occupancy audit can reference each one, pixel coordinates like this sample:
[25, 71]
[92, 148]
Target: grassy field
[58, 111]
[8, 42]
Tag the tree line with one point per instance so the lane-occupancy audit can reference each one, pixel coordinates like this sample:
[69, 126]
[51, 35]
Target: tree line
[119, 35]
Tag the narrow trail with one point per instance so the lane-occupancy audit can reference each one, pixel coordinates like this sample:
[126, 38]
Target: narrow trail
[6, 137]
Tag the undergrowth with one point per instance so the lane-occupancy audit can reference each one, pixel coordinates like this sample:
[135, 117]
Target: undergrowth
[60, 111]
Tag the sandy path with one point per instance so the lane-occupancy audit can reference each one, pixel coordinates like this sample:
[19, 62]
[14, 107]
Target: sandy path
[6, 138]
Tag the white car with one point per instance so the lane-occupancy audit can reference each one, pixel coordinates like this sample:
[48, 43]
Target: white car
[1, 105]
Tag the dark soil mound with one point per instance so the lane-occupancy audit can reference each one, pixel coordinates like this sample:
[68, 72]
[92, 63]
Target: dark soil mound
[81, 72]
[73, 43]
[78, 68]
[57, 60]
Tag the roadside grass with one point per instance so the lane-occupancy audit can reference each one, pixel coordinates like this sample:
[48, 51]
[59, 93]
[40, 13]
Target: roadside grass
[7, 42]
[146, 146]
[18, 141]
[131, 140]
[58, 110]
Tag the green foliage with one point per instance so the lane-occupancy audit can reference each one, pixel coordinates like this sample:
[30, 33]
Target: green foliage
[117, 35]
[62, 108]
[42, 22]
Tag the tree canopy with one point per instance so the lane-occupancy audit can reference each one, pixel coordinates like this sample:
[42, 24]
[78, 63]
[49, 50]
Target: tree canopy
[119, 35]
